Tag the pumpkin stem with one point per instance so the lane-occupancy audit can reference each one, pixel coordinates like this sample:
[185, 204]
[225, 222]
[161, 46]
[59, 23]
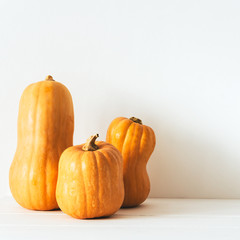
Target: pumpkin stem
[49, 78]
[136, 120]
[90, 144]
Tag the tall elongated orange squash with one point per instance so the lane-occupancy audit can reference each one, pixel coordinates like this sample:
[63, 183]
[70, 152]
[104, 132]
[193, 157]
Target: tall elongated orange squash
[136, 142]
[45, 130]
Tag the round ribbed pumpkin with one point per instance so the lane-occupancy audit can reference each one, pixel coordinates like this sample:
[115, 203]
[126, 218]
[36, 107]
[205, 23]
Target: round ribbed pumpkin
[45, 130]
[90, 180]
[136, 143]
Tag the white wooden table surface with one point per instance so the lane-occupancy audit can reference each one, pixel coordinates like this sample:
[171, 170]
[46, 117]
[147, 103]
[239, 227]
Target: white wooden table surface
[155, 219]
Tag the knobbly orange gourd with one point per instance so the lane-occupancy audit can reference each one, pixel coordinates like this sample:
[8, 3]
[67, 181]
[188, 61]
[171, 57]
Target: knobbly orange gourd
[136, 142]
[90, 180]
[45, 130]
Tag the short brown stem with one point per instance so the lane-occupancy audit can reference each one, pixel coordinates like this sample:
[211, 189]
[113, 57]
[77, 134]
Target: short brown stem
[49, 78]
[90, 144]
[136, 120]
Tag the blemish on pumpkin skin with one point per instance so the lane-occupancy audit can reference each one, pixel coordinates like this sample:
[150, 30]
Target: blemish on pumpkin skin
[118, 135]
[93, 204]
[48, 89]
[83, 166]
[65, 188]
[72, 190]
[32, 178]
[24, 170]
[73, 167]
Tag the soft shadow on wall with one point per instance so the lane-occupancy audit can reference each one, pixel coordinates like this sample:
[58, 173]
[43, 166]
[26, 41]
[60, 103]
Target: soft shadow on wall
[185, 163]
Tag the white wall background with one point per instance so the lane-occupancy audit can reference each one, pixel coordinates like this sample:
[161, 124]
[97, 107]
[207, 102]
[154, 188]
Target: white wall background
[174, 64]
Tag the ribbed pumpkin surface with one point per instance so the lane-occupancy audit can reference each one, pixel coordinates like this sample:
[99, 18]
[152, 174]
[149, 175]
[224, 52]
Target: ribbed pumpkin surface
[136, 143]
[45, 130]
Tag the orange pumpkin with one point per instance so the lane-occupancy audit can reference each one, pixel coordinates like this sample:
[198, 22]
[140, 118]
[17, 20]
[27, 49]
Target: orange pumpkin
[45, 130]
[90, 180]
[136, 142]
